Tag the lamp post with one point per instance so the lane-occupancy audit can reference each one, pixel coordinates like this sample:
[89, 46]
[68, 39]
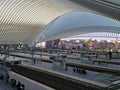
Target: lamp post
[41, 55]
[3, 68]
[32, 53]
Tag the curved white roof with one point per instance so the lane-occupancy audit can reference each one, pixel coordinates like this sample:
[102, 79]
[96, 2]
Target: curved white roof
[41, 20]
[76, 23]
[96, 35]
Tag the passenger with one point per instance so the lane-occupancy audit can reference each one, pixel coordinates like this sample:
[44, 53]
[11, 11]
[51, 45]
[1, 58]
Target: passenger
[1, 77]
[13, 81]
[99, 63]
[34, 61]
[58, 55]
[14, 84]
[74, 70]
[22, 87]
[77, 69]
[83, 71]
[66, 68]
[96, 55]
[18, 85]
[110, 55]
[7, 77]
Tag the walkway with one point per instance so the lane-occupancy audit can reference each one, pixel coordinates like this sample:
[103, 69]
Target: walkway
[29, 84]
[94, 76]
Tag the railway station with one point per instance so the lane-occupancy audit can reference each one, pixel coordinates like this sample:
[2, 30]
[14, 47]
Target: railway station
[59, 45]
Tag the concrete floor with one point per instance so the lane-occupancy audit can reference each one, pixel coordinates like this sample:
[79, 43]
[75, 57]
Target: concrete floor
[94, 76]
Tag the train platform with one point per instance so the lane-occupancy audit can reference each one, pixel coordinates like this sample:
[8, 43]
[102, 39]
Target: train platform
[47, 56]
[106, 79]
[91, 75]
[29, 84]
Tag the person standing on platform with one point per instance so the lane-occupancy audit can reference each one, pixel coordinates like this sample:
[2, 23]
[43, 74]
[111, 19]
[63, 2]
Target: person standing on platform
[7, 77]
[22, 87]
[34, 61]
[18, 85]
[110, 55]
[96, 55]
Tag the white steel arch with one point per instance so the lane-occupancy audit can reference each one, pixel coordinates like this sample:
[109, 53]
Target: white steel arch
[97, 34]
[25, 20]
[75, 23]
[22, 20]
